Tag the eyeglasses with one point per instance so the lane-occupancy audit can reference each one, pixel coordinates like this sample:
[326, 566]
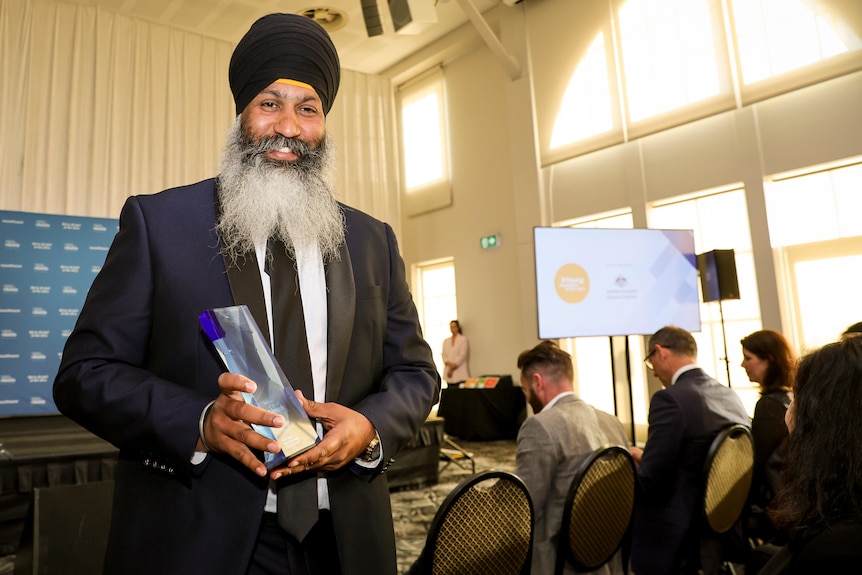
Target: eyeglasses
[647, 359]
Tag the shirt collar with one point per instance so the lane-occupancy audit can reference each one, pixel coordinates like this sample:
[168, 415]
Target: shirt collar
[681, 371]
[554, 401]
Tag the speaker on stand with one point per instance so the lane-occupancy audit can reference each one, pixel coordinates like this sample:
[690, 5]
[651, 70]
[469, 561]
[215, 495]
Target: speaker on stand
[718, 282]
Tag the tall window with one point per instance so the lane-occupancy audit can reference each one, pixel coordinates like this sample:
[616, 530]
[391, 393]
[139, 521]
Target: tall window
[436, 303]
[814, 207]
[424, 145]
[815, 228]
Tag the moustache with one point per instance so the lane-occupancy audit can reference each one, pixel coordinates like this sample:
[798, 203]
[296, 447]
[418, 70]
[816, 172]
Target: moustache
[255, 149]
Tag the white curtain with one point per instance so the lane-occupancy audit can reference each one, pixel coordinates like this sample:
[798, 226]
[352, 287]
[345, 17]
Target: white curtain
[362, 122]
[96, 106]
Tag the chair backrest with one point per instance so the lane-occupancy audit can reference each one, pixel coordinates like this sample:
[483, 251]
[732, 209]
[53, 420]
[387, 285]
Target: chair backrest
[728, 470]
[484, 526]
[598, 510]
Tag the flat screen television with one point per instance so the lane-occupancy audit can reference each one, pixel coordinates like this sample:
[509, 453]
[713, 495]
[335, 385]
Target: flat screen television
[607, 282]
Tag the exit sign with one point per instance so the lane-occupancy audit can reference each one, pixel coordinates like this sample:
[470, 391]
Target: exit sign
[488, 242]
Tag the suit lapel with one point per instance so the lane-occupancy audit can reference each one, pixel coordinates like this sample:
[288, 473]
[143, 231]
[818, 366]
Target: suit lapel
[341, 305]
[246, 288]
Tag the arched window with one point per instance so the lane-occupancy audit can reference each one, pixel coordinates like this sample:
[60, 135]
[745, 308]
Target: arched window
[775, 37]
[679, 60]
[586, 109]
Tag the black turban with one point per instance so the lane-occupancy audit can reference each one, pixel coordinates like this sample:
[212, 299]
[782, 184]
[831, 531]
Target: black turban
[287, 46]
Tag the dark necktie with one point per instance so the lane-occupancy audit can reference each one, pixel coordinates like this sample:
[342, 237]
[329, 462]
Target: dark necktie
[297, 494]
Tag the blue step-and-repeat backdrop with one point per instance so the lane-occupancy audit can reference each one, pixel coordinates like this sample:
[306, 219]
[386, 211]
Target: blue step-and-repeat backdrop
[47, 264]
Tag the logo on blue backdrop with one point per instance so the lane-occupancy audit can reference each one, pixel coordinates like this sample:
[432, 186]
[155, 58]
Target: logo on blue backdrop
[48, 263]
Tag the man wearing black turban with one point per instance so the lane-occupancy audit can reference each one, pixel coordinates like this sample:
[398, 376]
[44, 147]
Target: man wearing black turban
[326, 285]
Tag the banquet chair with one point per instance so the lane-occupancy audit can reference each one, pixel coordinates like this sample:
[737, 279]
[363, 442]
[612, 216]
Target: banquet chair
[598, 511]
[483, 527]
[727, 476]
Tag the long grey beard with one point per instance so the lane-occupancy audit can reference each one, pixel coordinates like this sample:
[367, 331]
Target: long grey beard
[262, 198]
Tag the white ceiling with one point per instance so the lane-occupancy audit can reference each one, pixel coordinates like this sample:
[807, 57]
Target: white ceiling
[229, 19]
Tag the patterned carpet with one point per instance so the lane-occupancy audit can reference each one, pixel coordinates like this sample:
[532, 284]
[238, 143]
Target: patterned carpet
[413, 511]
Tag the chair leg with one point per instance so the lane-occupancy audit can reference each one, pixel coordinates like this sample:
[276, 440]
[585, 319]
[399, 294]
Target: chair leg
[458, 453]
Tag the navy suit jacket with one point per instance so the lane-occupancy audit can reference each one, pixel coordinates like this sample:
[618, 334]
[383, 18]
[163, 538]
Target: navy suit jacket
[683, 421]
[137, 371]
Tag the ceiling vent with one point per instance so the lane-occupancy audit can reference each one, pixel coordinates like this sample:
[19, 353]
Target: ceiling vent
[331, 19]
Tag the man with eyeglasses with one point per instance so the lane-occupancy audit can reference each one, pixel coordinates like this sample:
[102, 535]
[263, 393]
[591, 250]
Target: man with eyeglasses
[683, 420]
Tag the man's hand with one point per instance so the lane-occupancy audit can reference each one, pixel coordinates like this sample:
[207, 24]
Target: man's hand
[227, 428]
[348, 432]
[637, 454]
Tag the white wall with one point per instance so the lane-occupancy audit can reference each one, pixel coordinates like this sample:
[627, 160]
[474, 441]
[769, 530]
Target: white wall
[483, 202]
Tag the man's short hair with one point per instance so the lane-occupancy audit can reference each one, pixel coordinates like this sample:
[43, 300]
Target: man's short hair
[548, 359]
[675, 339]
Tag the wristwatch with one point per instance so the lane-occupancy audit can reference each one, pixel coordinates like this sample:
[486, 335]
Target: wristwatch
[372, 451]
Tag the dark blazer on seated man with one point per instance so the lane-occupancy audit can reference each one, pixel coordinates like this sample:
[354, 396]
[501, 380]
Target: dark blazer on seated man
[684, 418]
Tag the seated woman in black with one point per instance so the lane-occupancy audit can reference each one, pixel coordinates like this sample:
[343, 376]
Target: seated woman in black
[770, 362]
[820, 505]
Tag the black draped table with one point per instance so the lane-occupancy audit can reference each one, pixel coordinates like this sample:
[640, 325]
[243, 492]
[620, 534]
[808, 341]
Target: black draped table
[483, 414]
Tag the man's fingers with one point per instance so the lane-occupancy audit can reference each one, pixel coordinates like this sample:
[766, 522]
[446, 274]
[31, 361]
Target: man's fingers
[238, 410]
[233, 382]
[348, 432]
[227, 429]
[328, 414]
[225, 426]
[330, 454]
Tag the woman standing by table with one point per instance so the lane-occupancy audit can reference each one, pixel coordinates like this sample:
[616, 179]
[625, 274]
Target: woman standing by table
[456, 355]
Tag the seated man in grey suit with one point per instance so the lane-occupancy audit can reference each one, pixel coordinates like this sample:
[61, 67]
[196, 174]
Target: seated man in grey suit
[554, 442]
[684, 418]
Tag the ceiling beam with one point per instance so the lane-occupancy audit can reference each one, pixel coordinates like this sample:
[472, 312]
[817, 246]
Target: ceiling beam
[509, 62]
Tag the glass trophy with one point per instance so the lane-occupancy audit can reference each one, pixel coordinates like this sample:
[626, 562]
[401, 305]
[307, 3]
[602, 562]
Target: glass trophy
[244, 351]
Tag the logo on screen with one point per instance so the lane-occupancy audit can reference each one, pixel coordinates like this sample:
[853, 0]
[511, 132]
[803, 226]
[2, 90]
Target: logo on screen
[572, 283]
